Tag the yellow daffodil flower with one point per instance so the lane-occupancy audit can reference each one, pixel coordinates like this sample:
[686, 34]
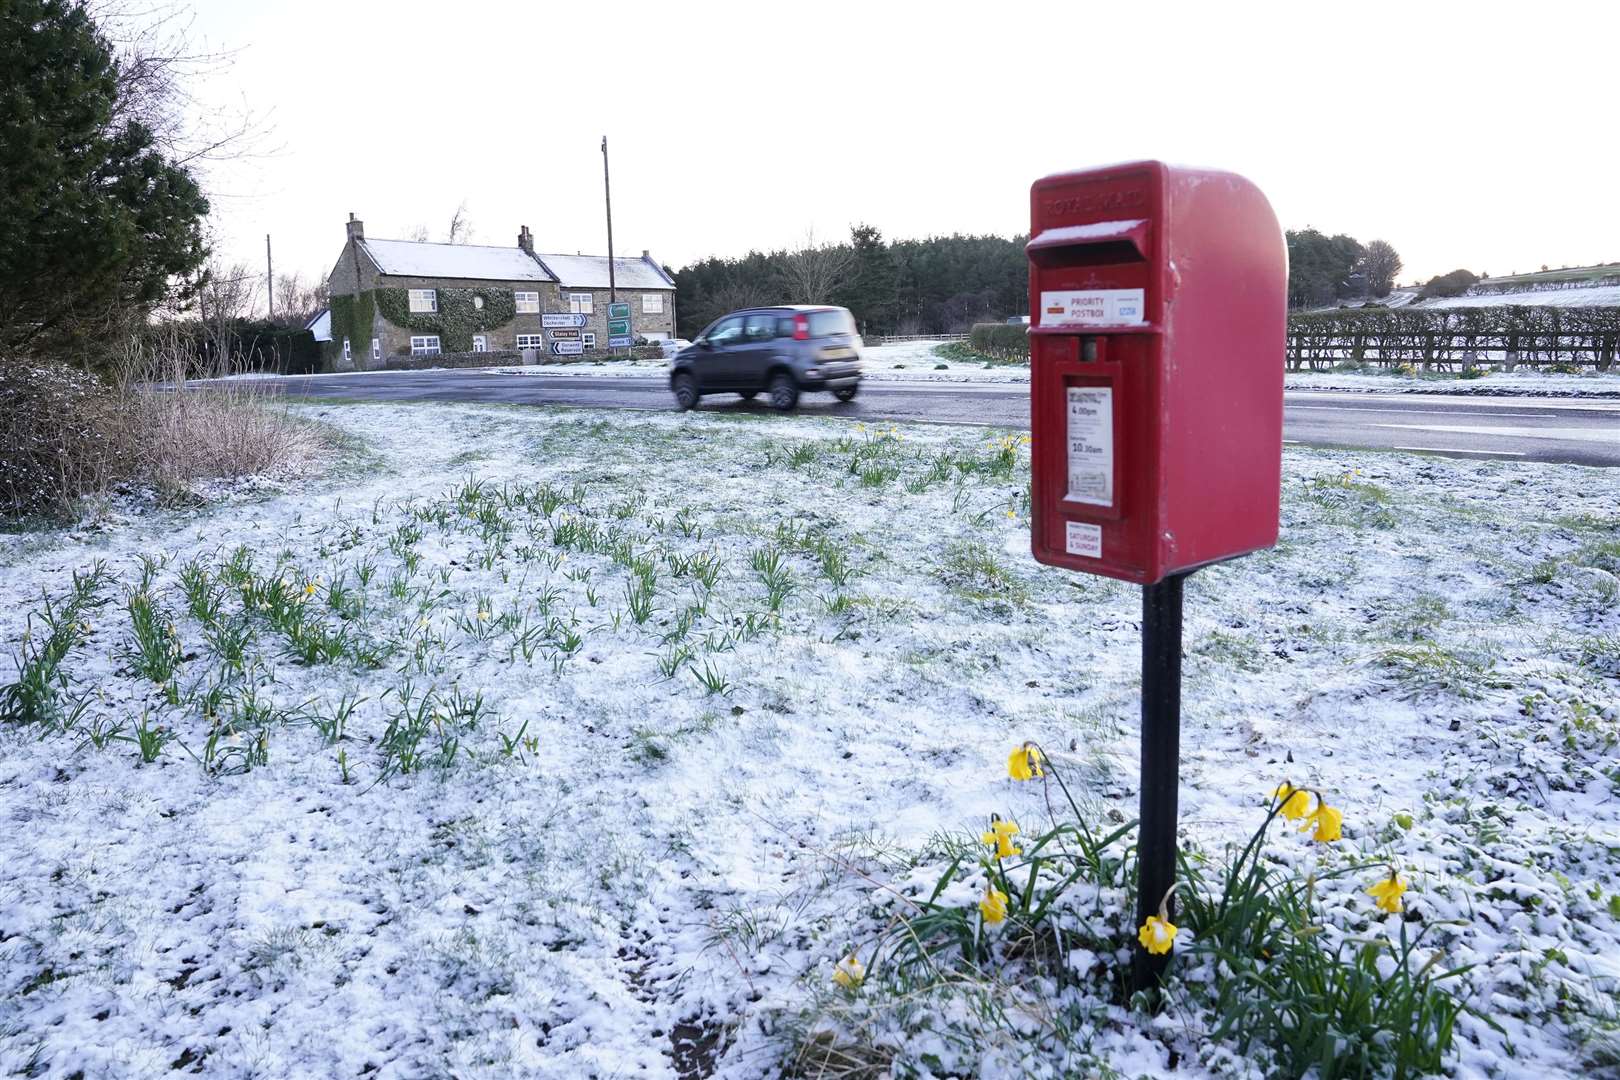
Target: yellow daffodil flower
[1000, 837]
[482, 615]
[1388, 893]
[309, 588]
[850, 972]
[1295, 802]
[1327, 820]
[993, 907]
[1024, 762]
[1157, 935]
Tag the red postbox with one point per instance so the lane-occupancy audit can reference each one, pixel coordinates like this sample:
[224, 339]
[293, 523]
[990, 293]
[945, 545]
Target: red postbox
[1157, 300]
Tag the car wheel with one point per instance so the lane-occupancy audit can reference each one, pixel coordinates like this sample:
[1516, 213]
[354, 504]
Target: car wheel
[784, 392]
[748, 395]
[686, 391]
[846, 393]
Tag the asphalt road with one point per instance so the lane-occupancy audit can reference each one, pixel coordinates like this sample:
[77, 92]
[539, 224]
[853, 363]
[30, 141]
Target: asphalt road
[1577, 431]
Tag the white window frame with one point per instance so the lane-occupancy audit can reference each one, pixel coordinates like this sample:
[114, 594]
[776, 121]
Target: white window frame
[526, 303]
[425, 301]
[348, 355]
[531, 341]
[376, 348]
[652, 303]
[480, 343]
[581, 303]
[425, 345]
[587, 340]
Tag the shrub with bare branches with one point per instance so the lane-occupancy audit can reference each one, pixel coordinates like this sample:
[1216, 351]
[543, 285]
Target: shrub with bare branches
[68, 434]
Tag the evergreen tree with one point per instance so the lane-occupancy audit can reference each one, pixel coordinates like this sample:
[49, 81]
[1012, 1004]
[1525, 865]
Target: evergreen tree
[870, 293]
[94, 220]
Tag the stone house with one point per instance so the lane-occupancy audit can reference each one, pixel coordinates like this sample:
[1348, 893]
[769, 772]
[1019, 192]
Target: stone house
[400, 298]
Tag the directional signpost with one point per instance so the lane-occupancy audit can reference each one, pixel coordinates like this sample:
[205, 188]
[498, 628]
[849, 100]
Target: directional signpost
[567, 348]
[559, 319]
[619, 336]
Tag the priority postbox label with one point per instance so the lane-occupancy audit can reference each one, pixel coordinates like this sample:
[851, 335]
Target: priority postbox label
[1092, 307]
[1091, 445]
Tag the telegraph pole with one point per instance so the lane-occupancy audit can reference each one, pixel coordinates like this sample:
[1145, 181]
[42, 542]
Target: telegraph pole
[269, 277]
[607, 194]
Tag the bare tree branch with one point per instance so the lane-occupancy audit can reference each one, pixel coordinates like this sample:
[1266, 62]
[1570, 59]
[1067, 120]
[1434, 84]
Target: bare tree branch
[813, 271]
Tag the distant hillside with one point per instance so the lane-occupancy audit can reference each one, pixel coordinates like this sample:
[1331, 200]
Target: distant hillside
[1572, 295]
[1571, 277]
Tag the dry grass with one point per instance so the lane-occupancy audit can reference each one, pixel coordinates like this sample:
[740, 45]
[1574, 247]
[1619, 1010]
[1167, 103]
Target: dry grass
[68, 435]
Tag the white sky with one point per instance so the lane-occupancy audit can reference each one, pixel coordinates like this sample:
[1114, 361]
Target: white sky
[1473, 134]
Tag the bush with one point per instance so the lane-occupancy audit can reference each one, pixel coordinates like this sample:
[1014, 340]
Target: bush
[59, 436]
[1006, 341]
[67, 433]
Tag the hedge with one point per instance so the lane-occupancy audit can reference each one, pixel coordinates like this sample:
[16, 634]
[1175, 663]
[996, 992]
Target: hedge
[1497, 320]
[1007, 341]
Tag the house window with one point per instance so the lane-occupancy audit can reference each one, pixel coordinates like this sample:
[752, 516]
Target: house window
[652, 303]
[347, 355]
[529, 341]
[376, 349]
[528, 303]
[588, 339]
[480, 343]
[579, 303]
[425, 300]
[427, 345]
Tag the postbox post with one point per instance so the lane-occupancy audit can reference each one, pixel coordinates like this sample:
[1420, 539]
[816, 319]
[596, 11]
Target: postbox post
[1161, 766]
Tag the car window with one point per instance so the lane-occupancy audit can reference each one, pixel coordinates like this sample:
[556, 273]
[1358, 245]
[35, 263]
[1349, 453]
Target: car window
[830, 322]
[784, 326]
[727, 331]
[761, 327]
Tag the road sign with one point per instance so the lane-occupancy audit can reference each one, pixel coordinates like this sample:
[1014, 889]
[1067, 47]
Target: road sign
[560, 334]
[561, 318]
[620, 341]
[566, 348]
[619, 327]
[619, 310]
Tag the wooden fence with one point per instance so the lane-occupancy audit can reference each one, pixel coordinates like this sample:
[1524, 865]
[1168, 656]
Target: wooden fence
[896, 339]
[1445, 350]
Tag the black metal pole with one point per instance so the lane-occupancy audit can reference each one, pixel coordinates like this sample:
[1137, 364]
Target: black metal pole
[1161, 765]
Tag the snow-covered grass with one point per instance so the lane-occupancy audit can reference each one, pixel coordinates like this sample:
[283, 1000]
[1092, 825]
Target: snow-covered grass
[569, 743]
[1524, 382]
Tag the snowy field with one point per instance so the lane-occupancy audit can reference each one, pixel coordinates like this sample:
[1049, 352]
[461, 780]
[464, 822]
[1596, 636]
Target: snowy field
[568, 744]
[1587, 296]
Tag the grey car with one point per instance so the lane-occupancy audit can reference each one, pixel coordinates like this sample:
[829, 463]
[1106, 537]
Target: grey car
[781, 351]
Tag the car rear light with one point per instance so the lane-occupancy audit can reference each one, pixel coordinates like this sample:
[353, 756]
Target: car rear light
[801, 328]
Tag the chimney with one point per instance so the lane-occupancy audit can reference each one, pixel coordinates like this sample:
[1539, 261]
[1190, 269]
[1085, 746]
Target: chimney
[357, 228]
[646, 256]
[526, 240]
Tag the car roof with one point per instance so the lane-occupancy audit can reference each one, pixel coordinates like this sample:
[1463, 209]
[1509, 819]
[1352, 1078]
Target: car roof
[784, 307]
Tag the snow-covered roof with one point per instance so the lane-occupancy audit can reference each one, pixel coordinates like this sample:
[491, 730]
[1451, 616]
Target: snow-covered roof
[591, 272]
[321, 326]
[407, 258]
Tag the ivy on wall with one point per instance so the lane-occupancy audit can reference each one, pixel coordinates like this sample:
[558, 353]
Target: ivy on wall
[352, 318]
[459, 317]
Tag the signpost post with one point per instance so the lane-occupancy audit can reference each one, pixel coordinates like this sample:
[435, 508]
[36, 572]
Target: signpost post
[1158, 303]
